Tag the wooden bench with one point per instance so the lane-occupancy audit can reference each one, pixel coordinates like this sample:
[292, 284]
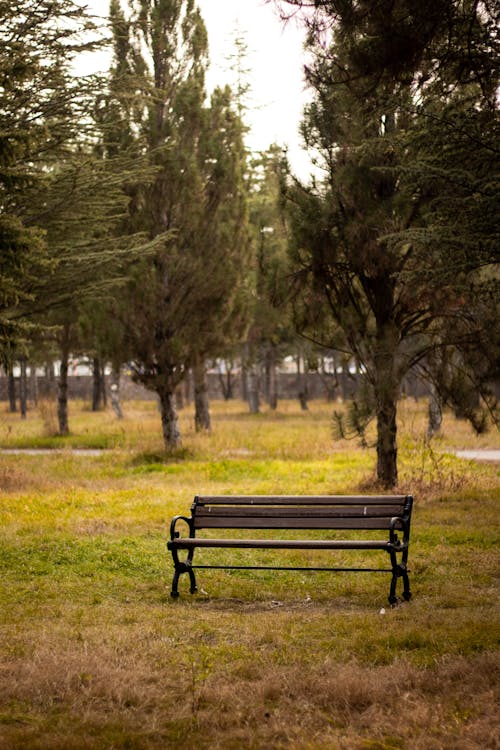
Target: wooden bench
[326, 513]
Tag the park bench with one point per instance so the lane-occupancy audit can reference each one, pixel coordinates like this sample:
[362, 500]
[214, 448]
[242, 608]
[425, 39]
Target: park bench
[323, 513]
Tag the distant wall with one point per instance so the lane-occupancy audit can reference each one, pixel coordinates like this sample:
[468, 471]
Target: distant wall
[289, 386]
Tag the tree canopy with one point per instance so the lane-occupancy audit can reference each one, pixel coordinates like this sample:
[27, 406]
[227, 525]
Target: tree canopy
[180, 302]
[404, 121]
[42, 106]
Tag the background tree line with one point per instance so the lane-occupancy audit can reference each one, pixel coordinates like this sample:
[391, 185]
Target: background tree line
[135, 226]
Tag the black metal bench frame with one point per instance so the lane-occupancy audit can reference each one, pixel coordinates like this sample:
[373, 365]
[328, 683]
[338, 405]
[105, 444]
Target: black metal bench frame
[324, 512]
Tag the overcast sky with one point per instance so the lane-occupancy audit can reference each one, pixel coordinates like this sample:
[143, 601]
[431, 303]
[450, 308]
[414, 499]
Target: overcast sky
[275, 60]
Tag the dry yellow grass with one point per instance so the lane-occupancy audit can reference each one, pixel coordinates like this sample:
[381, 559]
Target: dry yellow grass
[94, 689]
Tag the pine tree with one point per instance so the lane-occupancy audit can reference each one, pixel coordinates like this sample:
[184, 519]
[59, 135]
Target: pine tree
[379, 241]
[179, 302]
[40, 103]
[271, 333]
[61, 203]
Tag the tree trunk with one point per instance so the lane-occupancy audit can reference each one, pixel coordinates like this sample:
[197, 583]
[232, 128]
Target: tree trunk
[50, 380]
[11, 384]
[244, 382]
[179, 397]
[96, 384]
[253, 390]
[386, 397]
[302, 378]
[187, 387]
[169, 420]
[387, 471]
[344, 381]
[104, 395]
[229, 385]
[201, 406]
[329, 379]
[271, 378]
[115, 391]
[34, 385]
[23, 387]
[226, 383]
[62, 396]
[435, 413]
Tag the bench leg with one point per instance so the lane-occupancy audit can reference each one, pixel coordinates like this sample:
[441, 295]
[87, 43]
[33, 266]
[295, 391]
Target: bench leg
[183, 567]
[175, 593]
[399, 571]
[192, 578]
[406, 587]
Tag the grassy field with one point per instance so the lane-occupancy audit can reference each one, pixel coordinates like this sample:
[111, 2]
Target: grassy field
[95, 655]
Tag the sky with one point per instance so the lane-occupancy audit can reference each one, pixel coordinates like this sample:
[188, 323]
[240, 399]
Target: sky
[277, 93]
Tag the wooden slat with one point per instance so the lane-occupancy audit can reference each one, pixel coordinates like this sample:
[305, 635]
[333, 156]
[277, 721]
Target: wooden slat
[188, 543]
[278, 522]
[249, 511]
[301, 500]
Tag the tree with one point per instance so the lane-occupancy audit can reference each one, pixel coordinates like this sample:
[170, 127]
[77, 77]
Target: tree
[456, 166]
[84, 204]
[375, 241]
[40, 105]
[271, 332]
[60, 203]
[223, 246]
[179, 302]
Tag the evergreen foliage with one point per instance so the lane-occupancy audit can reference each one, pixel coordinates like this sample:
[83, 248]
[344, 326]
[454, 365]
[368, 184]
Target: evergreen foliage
[41, 109]
[271, 334]
[398, 240]
[181, 303]
[62, 198]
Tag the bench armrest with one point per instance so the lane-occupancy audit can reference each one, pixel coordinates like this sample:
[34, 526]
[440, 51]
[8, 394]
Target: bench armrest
[399, 523]
[175, 534]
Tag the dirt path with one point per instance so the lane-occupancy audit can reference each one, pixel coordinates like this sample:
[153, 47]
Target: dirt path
[476, 455]
[479, 455]
[52, 451]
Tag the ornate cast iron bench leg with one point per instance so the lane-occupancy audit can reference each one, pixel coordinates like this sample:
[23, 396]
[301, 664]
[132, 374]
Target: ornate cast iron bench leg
[406, 584]
[183, 567]
[399, 571]
[175, 593]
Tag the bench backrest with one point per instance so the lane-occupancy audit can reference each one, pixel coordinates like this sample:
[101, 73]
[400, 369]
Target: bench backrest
[301, 512]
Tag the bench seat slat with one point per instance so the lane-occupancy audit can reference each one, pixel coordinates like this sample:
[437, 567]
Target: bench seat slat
[187, 543]
[301, 500]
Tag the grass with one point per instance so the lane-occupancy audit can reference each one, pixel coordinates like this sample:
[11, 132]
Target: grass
[94, 654]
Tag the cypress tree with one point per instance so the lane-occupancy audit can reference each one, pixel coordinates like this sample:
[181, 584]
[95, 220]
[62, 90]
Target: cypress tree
[179, 300]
